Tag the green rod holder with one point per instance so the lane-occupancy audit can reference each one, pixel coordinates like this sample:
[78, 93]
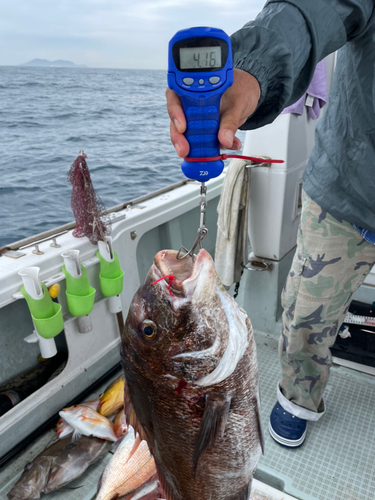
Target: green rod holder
[46, 314]
[111, 275]
[80, 295]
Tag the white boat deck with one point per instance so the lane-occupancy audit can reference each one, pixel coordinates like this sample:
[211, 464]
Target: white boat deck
[337, 460]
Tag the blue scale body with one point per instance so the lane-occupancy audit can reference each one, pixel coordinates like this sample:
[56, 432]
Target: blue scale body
[192, 53]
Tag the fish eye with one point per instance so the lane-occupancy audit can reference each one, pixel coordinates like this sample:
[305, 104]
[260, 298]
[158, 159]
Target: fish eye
[149, 329]
[28, 466]
[71, 446]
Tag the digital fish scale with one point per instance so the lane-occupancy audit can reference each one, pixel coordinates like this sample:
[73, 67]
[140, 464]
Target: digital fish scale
[200, 70]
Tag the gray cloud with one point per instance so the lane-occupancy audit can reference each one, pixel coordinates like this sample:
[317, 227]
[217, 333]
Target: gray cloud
[109, 33]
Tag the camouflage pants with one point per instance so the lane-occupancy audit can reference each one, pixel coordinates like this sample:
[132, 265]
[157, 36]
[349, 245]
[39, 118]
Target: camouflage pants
[330, 263]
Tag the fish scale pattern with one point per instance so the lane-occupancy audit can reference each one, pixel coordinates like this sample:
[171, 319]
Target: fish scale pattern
[337, 460]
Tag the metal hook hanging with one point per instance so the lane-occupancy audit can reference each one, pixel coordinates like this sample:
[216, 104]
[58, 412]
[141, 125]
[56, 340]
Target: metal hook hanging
[202, 231]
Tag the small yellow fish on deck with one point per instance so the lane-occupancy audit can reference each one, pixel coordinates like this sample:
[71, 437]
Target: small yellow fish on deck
[112, 398]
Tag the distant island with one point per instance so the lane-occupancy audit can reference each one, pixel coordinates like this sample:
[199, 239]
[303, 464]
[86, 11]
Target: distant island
[43, 63]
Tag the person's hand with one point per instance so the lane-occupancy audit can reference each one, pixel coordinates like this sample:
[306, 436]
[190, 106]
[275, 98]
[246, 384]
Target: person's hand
[237, 103]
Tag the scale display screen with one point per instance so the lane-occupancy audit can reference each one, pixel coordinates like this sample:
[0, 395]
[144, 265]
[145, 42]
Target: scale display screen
[200, 57]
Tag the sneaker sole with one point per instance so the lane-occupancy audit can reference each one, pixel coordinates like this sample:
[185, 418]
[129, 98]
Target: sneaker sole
[289, 443]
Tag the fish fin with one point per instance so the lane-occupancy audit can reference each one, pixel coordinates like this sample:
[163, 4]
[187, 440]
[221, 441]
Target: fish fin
[135, 423]
[100, 482]
[213, 423]
[137, 442]
[130, 415]
[244, 494]
[118, 442]
[256, 407]
[141, 492]
[127, 403]
[67, 488]
[167, 490]
[76, 435]
[92, 403]
[115, 496]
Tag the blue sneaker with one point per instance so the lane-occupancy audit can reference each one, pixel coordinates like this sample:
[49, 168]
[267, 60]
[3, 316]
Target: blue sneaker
[286, 429]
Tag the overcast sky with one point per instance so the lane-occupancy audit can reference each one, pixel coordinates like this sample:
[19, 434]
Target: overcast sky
[109, 33]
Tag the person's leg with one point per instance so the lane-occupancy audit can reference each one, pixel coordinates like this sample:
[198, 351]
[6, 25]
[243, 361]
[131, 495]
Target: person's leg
[330, 263]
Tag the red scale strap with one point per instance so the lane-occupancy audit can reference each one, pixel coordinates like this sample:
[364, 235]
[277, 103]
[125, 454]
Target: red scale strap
[225, 157]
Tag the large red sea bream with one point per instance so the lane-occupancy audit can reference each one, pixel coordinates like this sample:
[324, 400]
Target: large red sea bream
[189, 357]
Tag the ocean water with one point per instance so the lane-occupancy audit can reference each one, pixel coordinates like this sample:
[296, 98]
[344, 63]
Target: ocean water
[47, 115]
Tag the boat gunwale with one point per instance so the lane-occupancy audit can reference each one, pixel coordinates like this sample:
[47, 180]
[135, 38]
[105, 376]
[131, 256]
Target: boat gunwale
[45, 235]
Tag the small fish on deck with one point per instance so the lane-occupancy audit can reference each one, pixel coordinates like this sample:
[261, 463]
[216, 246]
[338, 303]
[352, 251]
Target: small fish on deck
[88, 422]
[120, 425]
[130, 468]
[57, 466]
[63, 429]
[112, 398]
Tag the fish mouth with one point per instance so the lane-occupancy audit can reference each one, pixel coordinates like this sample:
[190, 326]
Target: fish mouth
[186, 276]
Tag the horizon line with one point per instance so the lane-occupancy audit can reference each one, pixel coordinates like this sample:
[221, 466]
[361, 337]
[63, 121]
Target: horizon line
[77, 67]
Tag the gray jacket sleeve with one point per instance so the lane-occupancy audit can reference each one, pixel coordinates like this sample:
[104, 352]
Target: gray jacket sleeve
[282, 46]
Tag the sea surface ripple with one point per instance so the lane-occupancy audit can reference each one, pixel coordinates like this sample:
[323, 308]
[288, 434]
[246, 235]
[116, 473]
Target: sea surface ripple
[47, 115]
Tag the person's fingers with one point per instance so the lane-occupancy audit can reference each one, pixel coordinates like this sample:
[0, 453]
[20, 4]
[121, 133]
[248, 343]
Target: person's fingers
[175, 110]
[237, 104]
[179, 141]
[178, 123]
[229, 123]
[236, 144]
